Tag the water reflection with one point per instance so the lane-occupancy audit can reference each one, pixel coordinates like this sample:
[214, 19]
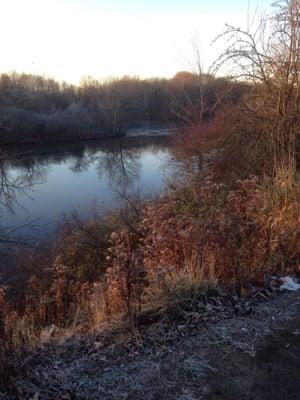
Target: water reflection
[123, 167]
[71, 176]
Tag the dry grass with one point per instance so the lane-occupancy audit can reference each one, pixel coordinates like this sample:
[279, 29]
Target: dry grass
[175, 291]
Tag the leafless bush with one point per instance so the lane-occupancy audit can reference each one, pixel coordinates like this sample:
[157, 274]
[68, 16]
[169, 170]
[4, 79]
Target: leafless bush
[267, 57]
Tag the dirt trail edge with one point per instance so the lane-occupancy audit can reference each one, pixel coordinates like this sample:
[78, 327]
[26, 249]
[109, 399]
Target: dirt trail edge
[239, 357]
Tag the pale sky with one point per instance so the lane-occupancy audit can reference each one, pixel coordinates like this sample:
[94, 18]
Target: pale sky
[69, 39]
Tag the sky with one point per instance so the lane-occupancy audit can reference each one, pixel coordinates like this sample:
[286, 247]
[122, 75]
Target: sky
[70, 39]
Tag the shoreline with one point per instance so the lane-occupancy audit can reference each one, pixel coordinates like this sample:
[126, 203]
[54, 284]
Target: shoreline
[143, 130]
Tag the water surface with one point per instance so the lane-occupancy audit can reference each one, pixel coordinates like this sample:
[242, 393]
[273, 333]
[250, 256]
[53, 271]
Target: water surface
[83, 176]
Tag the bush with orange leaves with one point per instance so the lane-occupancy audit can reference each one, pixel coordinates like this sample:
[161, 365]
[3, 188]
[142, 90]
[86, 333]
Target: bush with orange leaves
[194, 146]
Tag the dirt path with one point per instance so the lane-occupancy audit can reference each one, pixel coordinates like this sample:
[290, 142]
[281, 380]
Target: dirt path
[238, 357]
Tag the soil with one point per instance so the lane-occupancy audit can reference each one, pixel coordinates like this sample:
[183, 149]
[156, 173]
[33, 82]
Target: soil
[231, 356]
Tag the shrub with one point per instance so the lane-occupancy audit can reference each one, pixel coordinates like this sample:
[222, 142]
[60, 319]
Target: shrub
[126, 278]
[233, 232]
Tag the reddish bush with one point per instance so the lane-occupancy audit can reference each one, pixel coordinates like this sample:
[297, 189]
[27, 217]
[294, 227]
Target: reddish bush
[232, 232]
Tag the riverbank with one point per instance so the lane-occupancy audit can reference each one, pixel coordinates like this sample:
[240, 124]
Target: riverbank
[62, 140]
[210, 356]
[147, 128]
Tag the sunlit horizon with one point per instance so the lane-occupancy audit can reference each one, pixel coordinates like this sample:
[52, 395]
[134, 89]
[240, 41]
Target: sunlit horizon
[68, 40]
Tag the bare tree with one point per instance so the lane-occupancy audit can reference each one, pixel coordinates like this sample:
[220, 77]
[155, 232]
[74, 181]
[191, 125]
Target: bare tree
[199, 99]
[267, 56]
[10, 186]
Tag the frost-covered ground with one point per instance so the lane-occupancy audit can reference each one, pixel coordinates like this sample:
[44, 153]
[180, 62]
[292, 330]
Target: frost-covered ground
[225, 356]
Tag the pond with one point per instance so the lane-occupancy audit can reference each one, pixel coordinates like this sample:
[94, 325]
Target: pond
[83, 176]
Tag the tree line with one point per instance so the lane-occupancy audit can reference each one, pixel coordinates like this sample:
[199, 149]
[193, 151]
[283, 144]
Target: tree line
[36, 108]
